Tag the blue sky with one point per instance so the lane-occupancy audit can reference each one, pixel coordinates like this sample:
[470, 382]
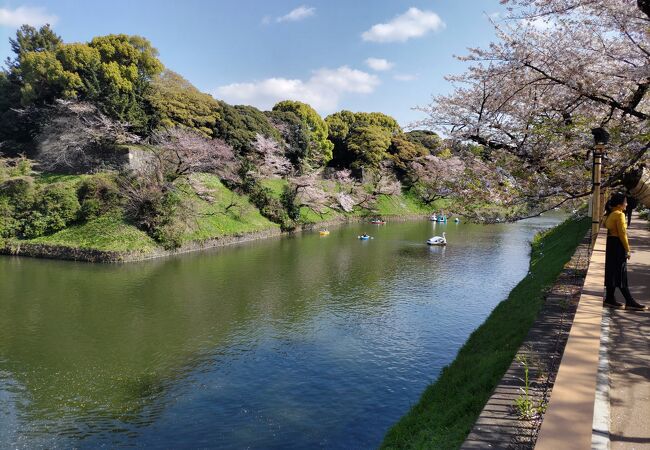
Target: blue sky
[386, 56]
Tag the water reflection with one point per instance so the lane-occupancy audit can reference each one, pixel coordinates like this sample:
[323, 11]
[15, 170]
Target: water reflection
[289, 343]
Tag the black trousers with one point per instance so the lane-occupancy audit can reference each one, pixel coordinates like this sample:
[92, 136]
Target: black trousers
[616, 269]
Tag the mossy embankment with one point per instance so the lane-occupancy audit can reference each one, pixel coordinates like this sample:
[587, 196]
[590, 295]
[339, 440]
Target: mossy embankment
[449, 407]
[220, 216]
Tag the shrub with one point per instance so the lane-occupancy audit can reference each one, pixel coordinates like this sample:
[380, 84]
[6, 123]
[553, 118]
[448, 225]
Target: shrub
[97, 195]
[17, 189]
[53, 208]
[270, 207]
[8, 223]
[288, 200]
[155, 208]
[22, 167]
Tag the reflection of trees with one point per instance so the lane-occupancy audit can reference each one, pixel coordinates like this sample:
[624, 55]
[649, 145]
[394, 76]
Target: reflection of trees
[105, 343]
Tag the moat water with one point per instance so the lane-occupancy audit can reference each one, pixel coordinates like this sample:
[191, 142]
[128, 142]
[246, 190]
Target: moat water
[292, 343]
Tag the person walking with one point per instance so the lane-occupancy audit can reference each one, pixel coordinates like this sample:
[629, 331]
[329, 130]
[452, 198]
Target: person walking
[632, 203]
[617, 252]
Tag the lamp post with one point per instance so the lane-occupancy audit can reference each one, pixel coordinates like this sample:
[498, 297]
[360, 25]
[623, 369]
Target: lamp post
[601, 137]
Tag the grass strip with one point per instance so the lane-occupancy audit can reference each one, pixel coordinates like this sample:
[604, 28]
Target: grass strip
[448, 409]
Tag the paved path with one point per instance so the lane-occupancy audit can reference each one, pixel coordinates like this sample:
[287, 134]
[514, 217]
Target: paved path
[629, 352]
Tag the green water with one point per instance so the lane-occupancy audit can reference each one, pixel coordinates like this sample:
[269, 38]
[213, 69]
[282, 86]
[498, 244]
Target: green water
[298, 342]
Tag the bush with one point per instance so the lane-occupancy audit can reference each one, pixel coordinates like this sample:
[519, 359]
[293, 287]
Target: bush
[22, 168]
[8, 223]
[54, 207]
[18, 189]
[270, 207]
[97, 195]
[155, 208]
[288, 200]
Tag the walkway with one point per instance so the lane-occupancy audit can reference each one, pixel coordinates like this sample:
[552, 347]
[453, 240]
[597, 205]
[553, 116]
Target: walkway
[620, 383]
[629, 353]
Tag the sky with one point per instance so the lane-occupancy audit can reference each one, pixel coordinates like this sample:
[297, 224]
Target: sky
[361, 55]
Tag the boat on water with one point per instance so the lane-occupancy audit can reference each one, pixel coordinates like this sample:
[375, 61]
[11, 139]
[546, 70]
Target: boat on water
[457, 220]
[324, 232]
[378, 222]
[438, 240]
[433, 218]
[364, 237]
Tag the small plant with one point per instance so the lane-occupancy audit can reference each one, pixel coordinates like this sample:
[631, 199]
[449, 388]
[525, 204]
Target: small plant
[524, 404]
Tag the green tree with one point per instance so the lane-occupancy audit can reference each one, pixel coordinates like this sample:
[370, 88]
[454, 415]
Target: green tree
[346, 127]
[85, 62]
[44, 79]
[29, 39]
[368, 144]
[320, 148]
[175, 101]
[295, 134]
[403, 151]
[428, 139]
[128, 64]
[239, 126]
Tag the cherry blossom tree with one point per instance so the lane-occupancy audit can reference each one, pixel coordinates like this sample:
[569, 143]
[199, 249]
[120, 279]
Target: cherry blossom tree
[559, 69]
[178, 152]
[77, 137]
[270, 157]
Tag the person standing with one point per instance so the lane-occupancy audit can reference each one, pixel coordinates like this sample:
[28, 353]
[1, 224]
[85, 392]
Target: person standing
[617, 253]
[632, 203]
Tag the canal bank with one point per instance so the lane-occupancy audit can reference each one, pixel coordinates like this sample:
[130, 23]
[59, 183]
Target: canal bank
[72, 253]
[449, 408]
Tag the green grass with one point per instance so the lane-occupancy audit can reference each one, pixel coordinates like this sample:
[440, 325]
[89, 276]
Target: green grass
[397, 205]
[226, 214]
[107, 233]
[112, 233]
[48, 178]
[275, 185]
[217, 220]
[449, 407]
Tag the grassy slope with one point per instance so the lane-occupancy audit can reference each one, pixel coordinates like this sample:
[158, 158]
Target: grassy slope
[112, 233]
[215, 221]
[109, 233]
[449, 407]
[387, 205]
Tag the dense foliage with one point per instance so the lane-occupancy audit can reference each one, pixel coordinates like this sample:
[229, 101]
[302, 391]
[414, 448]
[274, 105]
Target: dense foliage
[361, 140]
[176, 102]
[113, 71]
[319, 149]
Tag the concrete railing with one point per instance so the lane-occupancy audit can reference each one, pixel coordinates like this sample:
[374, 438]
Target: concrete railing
[568, 420]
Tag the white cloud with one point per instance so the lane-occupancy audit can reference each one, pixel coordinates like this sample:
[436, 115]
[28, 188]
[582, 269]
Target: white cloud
[26, 15]
[412, 24]
[379, 64]
[322, 90]
[300, 13]
[405, 77]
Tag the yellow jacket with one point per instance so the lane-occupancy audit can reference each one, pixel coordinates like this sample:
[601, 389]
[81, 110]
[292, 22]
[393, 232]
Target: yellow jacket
[616, 226]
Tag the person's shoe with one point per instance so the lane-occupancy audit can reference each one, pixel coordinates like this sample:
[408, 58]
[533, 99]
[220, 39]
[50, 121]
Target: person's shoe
[634, 306]
[613, 304]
